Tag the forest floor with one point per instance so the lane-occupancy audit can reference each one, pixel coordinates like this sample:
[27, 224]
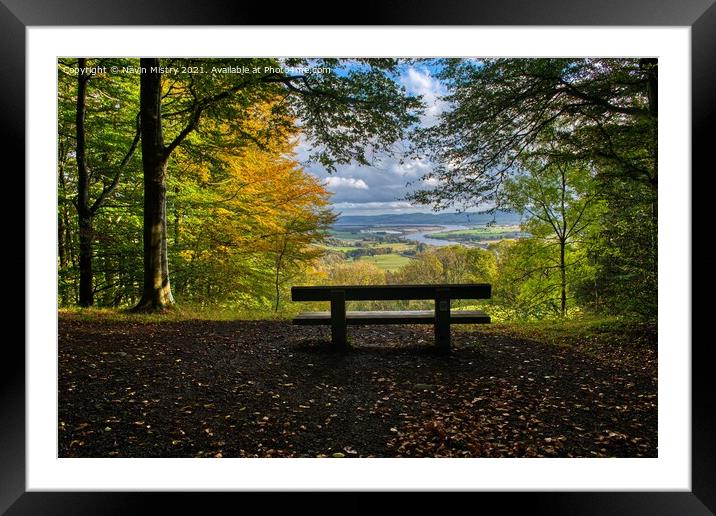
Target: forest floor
[268, 389]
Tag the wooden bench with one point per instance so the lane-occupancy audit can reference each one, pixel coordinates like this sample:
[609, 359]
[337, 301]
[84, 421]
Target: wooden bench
[441, 318]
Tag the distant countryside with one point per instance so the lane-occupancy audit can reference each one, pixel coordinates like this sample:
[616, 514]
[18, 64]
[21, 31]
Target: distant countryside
[196, 196]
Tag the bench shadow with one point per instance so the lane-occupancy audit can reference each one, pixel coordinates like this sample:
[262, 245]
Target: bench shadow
[323, 348]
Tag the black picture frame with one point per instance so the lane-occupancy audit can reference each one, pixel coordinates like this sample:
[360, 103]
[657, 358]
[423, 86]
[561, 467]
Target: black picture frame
[700, 15]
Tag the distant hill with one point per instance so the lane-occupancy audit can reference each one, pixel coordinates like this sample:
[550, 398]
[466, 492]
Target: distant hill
[405, 219]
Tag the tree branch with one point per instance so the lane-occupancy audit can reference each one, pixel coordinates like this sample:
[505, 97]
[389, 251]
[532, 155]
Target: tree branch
[571, 90]
[108, 190]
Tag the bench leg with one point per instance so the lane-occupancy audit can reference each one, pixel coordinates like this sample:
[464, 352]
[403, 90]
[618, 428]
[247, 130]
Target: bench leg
[442, 319]
[339, 337]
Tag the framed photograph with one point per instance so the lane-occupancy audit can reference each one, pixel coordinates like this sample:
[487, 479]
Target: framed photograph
[394, 50]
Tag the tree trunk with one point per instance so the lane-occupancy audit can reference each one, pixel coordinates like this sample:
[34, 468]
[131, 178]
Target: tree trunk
[61, 255]
[164, 251]
[61, 243]
[654, 237]
[563, 241]
[563, 272]
[177, 219]
[86, 276]
[157, 294]
[278, 287]
[64, 243]
[279, 259]
[650, 65]
[86, 295]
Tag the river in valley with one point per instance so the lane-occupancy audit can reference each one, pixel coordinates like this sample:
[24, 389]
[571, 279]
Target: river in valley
[424, 236]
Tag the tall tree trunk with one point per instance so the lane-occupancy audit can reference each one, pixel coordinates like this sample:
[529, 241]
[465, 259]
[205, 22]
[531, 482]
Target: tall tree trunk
[563, 277]
[61, 243]
[177, 219]
[279, 259]
[86, 275]
[157, 293]
[278, 287]
[86, 295]
[64, 243]
[563, 241]
[164, 251]
[650, 66]
[654, 234]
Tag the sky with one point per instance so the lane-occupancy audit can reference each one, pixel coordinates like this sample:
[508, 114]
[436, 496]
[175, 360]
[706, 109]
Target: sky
[361, 190]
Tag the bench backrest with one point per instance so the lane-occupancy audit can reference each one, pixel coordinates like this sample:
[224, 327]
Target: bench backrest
[393, 292]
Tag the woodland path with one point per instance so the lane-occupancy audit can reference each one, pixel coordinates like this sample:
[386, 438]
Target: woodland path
[268, 389]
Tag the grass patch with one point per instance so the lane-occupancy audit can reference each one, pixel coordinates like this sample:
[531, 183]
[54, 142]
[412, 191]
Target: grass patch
[567, 332]
[176, 314]
[368, 244]
[631, 343]
[339, 248]
[388, 262]
[346, 235]
[481, 233]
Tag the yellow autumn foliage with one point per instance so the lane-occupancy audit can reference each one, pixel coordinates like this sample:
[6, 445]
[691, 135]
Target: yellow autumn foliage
[246, 218]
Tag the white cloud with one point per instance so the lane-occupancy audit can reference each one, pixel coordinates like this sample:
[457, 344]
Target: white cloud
[302, 149]
[421, 82]
[410, 169]
[385, 183]
[335, 183]
[383, 186]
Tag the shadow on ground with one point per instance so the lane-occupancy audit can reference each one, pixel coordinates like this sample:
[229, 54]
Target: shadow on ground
[269, 389]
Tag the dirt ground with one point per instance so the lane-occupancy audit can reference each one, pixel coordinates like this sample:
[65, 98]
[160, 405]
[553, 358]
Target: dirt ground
[269, 389]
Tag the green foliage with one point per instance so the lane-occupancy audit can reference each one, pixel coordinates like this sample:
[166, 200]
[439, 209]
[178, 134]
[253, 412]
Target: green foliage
[571, 143]
[504, 110]
[356, 110]
[514, 123]
[562, 205]
[243, 219]
[528, 283]
[111, 125]
[239, 233]
[623, 253]
[449, 264]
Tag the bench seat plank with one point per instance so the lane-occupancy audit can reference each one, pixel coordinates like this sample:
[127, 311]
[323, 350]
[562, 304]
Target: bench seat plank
[393, 317]
[392, 292]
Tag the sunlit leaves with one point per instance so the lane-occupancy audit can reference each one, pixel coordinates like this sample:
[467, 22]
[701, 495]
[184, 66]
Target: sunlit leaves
[240, 220]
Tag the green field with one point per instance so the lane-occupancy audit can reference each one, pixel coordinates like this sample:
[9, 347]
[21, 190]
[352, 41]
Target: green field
[388, 262]
[347, 241]
[397, 246]
[346, 235]
[339, 248]
[480, 233]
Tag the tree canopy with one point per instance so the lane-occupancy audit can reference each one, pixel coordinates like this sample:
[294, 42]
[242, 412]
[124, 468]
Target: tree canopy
[504, 115]
[503, 111]
[182, 177]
